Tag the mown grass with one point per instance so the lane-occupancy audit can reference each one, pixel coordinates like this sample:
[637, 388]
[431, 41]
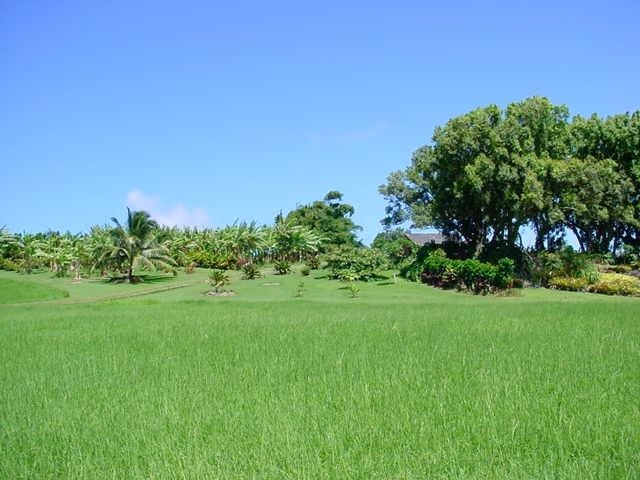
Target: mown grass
[21, 291]
[403, 382]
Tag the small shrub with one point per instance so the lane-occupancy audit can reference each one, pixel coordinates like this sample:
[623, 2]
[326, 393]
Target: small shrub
[571, 284]
[618, 269]
[449, 278]
[282, 267]
[472, 274]
[218, 279]
[313, 262]
[300, 290]
[8, 264]
[354, 290]
[250, 272]
[565, 263]
[305, 271]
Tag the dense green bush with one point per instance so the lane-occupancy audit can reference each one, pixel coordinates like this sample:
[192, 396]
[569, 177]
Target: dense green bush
[572, 284]
[471, 274]
[564, 263]
[427, 262]
[313, 262]
[355, 263]
[9, 264]
[282, 267]
[206, 259]
[218, 279]
[250, 271]
[395, 246]
[505, 273]
[305, 271]
[616, 284]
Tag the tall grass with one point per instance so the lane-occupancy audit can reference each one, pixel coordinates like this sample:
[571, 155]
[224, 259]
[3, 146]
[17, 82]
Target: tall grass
[452, 387]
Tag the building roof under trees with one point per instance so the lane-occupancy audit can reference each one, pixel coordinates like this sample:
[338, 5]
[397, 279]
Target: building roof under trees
[421, 239]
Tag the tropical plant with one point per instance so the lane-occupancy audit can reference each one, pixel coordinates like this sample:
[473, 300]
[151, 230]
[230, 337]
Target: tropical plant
[250, 272]
[218, 279]
[354, 290]
[293, 242]
[134, 246]
[282, 267]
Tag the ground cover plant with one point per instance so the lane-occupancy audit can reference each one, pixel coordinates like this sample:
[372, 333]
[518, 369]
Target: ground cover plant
[404, 381]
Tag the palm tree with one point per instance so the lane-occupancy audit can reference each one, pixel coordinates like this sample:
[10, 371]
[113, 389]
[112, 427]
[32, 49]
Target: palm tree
[134, 245]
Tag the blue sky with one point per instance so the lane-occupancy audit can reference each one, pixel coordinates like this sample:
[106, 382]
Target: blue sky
[205, 112]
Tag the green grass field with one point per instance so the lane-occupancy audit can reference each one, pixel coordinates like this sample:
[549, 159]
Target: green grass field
[158, 381]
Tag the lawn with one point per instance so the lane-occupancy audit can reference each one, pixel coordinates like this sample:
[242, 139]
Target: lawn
[404, 381]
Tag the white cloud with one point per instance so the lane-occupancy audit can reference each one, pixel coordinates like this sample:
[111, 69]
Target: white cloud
[176, 215]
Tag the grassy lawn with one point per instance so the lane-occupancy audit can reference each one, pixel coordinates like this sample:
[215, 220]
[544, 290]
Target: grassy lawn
[404, 381]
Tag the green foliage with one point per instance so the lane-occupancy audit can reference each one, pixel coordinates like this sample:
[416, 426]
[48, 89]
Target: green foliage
[313, 262]
[355, 263]
[471, 274]
[134, 246]
[218, 279]
[282, 267]
[572, 284]
[477, 276]
[567, 263]
[250, 271]
[490, 172]
[354, 290]
[330, 219]
[616, 284]
[395, 245]
[413, 270]
[305, 271]
[505, 273]
[9, 264]
[294, 242]
[300, 290]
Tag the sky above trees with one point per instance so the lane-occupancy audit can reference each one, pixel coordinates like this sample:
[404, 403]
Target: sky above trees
[207, 112]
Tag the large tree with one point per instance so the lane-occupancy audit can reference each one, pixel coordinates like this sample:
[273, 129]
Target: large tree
[489, 172]
[615, 139]
[330, 219]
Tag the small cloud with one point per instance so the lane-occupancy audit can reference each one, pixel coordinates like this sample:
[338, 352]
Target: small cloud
[175, 216]
[355, 135]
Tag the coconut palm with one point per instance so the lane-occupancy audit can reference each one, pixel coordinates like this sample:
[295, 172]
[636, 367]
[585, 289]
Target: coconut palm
[134, 245]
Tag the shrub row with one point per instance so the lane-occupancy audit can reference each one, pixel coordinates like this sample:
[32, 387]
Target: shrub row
[355, 264]
[471, 275]
[608, 284]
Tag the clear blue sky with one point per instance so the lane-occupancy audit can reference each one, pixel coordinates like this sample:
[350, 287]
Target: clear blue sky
[205, 112]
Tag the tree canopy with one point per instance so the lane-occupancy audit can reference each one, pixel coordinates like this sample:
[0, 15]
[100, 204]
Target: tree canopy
[330, 219]
[490, 172]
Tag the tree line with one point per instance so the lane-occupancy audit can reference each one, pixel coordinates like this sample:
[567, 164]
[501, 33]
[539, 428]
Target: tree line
[139, 243]
[491, 172]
